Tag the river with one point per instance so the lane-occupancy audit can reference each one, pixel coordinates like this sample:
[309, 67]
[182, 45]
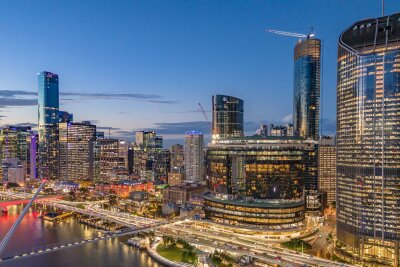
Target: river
[36, 233]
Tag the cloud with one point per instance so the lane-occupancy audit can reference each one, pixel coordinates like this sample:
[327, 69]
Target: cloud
[107, 128]
[150, 98]
[23, 124]
[124, 133]
[17, 102]
[9, 98]
[288, 118]
[14, 93]
[180, 127]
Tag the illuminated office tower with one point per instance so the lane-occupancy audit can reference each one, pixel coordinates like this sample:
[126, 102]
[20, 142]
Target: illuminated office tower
[368, 141]
[33, 151]
[48, 107]
[327, 167]
[194, 156]
[145, 139]
[14, 143]
[106, 158]
[307, 60]
[177, 159]
[227, 117]
[75, 157]
[123, 153]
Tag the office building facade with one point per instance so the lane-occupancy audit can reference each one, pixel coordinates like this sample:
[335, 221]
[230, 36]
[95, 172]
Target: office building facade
[227, 117]
[48, 107]
[327, 167]
[14, 143]
[306, 97]
[259, 175]
[75, 155]
[194, 156]
[368, 141]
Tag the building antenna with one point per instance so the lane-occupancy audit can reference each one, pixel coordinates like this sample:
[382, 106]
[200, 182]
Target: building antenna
[109, 132]
[383, 8]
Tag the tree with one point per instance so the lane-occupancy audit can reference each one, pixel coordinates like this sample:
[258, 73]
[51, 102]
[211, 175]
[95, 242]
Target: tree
[12, 185]
[112, 199]
[72, 195]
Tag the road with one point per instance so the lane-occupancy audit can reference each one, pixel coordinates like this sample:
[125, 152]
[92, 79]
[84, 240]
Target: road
[241, 244]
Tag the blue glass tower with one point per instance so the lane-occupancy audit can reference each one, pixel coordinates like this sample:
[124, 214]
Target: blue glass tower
[307, 59]
[48, 107]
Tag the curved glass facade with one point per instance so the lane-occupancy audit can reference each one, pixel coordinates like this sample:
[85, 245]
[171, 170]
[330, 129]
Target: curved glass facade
[262, 168]
[268, 172]
[268, 214]
[368, 140]
[227, 117]
[307, 58]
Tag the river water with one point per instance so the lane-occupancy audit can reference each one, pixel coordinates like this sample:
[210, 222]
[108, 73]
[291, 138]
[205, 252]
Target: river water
[36, 233]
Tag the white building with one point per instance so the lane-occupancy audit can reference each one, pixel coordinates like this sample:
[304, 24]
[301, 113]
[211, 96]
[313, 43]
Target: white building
[194, 156]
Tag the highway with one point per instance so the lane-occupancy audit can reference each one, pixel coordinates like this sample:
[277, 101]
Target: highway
[242, 245]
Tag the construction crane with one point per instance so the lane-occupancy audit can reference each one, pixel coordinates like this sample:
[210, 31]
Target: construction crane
[293, 34]
[204, 113]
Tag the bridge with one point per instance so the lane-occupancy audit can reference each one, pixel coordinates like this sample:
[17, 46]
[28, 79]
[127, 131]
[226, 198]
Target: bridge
[6, 203]
[90, 209]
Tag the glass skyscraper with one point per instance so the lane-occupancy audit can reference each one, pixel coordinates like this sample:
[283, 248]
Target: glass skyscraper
[368, 141]
[307, 61]
[227, 117]
[48, 107]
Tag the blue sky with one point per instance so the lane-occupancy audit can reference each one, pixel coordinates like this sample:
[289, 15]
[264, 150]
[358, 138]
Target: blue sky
[146, 64]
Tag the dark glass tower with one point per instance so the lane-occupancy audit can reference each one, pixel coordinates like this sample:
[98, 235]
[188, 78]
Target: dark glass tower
[368, 140]
[227, 117]
[48, 107]
[307, 61]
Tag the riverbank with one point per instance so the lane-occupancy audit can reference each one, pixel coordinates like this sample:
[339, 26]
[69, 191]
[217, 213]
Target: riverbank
[36, 233]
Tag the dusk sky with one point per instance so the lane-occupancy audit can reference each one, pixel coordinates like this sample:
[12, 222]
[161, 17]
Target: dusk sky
[134, 65]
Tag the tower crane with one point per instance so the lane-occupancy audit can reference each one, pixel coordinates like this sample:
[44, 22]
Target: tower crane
[204, 113]
[293, 34]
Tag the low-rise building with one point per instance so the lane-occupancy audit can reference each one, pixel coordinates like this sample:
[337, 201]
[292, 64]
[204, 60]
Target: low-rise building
[13, 171]
[182, 194]
[124, 188]
[139, 196]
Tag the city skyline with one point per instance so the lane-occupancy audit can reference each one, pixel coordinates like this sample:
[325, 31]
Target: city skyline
[234, 57]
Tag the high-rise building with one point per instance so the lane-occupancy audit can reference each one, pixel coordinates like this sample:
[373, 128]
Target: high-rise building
[194, 156]
[33, 151]
[227, 117]
[123, 153]
[327, 167]
[368, 141]
[307, 61]
[14, 144]
[150, 160]
[48, 107]
[259, 180]
[106, 158]
[145, 139]
[75, 156]
[177, 162]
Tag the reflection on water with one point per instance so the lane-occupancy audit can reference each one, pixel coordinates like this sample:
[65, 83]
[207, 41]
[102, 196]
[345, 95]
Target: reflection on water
[36, 233]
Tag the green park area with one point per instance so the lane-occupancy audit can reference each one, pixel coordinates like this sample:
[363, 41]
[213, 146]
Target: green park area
[177, 250]
[297, 245]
